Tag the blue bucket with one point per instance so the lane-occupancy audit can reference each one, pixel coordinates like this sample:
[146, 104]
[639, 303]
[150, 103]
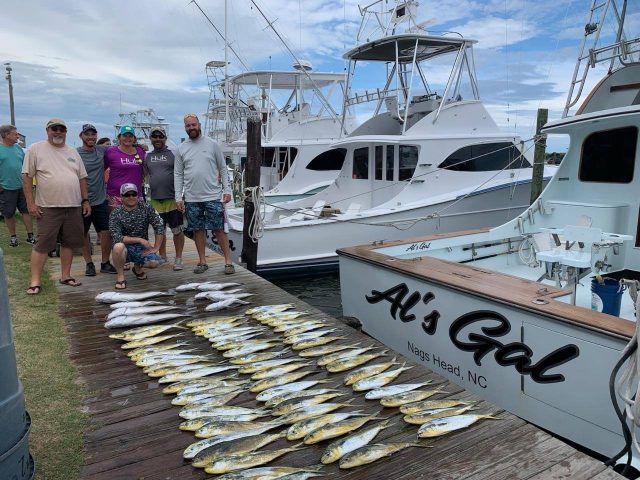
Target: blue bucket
[606, 297]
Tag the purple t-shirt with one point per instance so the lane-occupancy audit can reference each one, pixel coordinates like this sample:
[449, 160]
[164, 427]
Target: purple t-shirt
[123, 168]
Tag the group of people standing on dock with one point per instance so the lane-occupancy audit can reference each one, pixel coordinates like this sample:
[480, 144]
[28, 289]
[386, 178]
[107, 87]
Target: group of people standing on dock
[103, 185]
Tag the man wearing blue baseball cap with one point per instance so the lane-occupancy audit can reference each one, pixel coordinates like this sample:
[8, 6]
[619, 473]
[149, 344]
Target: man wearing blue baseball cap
[129, 227]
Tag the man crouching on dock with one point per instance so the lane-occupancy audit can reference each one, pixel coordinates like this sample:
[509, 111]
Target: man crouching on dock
[129, 227]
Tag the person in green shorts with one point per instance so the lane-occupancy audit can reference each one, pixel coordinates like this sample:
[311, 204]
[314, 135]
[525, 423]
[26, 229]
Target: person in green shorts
[158, 167]
[11, 194]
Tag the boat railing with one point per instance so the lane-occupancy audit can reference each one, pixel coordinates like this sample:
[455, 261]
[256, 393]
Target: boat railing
[373, 96]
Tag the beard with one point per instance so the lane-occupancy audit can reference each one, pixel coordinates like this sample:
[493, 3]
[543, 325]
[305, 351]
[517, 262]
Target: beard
[58, 140]
[194, 133]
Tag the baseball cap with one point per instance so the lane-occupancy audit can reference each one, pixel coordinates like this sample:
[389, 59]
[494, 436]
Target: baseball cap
[56, 121]
[128, 187]
[88, 126]
[158, 130]
[127, 129]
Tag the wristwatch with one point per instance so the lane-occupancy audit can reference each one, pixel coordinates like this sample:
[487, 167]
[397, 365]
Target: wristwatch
[84, 200]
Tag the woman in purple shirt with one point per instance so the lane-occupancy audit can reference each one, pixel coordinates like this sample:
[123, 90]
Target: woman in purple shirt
[124, 163]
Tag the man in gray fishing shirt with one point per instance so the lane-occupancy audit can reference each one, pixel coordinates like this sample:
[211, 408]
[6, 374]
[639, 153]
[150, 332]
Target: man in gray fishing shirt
[202, 188]
[93, 158]
[158, 167]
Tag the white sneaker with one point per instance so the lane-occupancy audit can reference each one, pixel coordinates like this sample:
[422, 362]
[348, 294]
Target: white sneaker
[177, 265]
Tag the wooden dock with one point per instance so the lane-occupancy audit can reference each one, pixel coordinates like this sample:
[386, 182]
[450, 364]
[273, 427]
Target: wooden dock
[133, 428]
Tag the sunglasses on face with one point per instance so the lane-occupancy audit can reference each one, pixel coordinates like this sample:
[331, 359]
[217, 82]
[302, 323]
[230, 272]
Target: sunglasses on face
[130, 194]
[157, 135]
[59, 129]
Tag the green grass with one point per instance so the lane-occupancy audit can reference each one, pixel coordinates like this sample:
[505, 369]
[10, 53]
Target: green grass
[52, 393]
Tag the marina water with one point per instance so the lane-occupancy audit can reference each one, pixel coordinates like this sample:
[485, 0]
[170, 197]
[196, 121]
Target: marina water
[322, 292]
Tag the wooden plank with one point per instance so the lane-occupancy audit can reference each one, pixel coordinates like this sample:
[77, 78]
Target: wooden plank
[133, 426]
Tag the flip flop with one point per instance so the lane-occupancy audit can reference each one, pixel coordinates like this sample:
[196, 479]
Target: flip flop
[139, 275]
[121, 284]
[34, 290]
[71, 282]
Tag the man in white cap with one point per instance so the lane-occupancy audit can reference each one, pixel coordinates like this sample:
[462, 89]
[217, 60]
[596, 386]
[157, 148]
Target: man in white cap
[202, 188]
[129, 227]
[158, 166]
[61, 201]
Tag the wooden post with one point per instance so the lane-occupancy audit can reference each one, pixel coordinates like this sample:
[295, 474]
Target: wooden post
[538, 155]
[251, 179]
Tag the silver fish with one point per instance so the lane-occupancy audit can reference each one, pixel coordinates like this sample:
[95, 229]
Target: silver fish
[271, 473]
[207, 287]
[189, 286]
[216, 296]
[270, 308]
[114, 297]
[141, 310]
[222, 304]
[145, 303]
[126, 321]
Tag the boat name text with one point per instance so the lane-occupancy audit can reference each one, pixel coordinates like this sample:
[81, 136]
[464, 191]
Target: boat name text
[516, 354]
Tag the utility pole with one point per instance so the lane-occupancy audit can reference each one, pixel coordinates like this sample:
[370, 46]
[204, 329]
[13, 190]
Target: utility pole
[538, 156]
[11, 108]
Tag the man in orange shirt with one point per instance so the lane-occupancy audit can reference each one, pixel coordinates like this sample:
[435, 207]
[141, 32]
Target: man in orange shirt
[61, 200]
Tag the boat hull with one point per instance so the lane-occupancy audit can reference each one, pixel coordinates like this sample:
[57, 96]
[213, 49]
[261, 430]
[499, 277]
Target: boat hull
[309, 246]
[545, 370]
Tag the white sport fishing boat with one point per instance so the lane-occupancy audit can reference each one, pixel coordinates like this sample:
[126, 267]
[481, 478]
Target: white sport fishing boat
[518, 314]
[425, 162]
[298, 126]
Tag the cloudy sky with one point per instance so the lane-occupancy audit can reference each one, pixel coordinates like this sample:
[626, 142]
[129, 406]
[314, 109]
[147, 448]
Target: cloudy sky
[90, 61]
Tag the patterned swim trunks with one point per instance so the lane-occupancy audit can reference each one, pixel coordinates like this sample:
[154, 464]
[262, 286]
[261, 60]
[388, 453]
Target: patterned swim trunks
[205, 215]
[134, 254]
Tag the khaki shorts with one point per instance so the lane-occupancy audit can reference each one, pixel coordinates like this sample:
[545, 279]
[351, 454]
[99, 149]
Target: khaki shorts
[62, 224]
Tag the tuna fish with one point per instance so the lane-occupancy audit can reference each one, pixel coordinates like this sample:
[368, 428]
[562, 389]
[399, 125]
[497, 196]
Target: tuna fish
[114, 297]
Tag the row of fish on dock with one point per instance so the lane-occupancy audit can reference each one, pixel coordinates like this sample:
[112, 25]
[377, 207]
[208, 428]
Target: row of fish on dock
[269, 351]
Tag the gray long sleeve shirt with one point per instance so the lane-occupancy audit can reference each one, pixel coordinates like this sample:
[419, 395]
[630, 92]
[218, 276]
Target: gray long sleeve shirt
[200, 172]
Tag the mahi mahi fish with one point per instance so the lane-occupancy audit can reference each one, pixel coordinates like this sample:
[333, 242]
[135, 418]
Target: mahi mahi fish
[337, 429]
[289, 387]
[371, 453]
[241, 445]
[339, 448]
[272, 473]
[143, 332]
[382, 392]
[379, 380]
[442, 426]
[231, 463]
[303, 428]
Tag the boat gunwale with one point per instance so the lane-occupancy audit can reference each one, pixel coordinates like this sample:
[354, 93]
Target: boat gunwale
[464, 278]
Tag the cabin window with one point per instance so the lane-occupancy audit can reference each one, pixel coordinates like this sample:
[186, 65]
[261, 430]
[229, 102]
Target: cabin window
[329, 160]
[361, 163]
[609, 156]
[407, 161]
[378, 159]
[390, 161]
[485, 157]
[268, 156]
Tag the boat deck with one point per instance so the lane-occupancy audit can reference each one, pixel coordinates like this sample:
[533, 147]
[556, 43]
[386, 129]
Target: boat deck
[133, 428]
